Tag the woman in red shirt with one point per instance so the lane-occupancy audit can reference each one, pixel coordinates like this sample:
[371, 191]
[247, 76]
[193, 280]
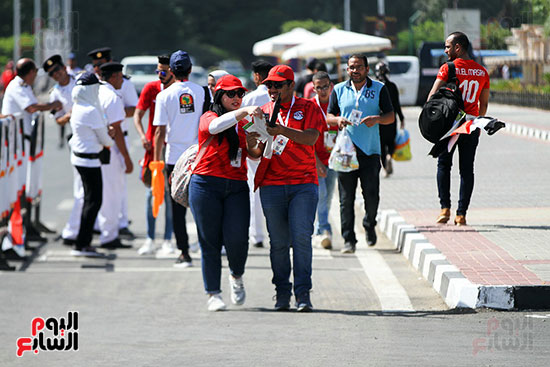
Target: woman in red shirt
[218, 190]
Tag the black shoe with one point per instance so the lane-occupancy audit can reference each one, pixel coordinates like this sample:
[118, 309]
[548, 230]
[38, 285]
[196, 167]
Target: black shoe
[259, 244]
[96, 231]
[68, 242]
[349, 248]
[183, 261]
[10, 254]
[86, 252]
[282, 302]
[303, 303]
[126, 234]
[4, 266]
[114, 244]
[371, 237]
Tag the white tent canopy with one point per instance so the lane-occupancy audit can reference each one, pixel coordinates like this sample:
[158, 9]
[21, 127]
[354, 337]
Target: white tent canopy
[276, 45]
[336, 42]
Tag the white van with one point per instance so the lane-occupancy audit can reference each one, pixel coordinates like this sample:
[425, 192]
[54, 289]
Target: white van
[142, 69]
[405, 73]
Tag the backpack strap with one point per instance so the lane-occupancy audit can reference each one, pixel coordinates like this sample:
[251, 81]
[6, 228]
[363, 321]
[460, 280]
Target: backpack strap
[451, 76]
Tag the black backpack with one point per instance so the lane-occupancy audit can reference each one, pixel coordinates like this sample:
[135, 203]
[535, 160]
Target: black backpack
[440, 111]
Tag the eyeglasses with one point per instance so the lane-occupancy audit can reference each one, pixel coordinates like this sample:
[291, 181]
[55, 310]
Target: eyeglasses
[161, 72]
[54, 70]
[277, 85]
[324, 87]
[232, 93]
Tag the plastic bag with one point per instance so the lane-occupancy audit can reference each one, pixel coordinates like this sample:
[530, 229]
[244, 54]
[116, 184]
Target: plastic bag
[402, 150]
[343, 157]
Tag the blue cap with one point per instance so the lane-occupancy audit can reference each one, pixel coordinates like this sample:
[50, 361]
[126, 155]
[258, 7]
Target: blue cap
[87, 78]
[180, 61]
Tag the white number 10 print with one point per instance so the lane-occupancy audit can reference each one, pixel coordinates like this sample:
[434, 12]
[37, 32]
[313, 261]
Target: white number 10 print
[469, 90]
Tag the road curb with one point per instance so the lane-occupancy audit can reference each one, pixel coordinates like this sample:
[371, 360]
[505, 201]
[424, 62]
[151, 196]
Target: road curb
[455, 289]
[527, 131]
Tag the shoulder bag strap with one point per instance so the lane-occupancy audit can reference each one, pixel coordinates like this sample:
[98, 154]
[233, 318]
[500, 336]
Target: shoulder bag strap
[201, 152]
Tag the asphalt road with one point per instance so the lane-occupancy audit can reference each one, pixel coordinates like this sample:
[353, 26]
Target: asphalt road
[371, 308]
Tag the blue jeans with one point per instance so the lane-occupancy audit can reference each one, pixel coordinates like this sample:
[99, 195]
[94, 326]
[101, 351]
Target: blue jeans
[221, 208]
[168, 226]
[369, 174]
[467, 145]
[289, 212]
[326, 189]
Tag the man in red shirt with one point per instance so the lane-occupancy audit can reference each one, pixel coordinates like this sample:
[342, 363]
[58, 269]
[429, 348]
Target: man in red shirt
[147, 102]
[8, 74]
[474, 84]
[288, 187]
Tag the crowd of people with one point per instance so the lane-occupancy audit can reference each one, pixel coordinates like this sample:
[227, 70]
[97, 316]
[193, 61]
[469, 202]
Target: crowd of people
[240, 178]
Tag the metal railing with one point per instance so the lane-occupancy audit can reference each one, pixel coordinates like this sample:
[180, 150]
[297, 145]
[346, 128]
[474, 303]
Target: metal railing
[524, 99]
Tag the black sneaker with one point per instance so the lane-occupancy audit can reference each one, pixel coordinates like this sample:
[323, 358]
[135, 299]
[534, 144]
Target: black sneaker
[349, 248]
[183, 261]
[303, 303]
[114, 244]
[86, 252]
[68, 242]
[282, 302]
[371, 237]
[126, 234]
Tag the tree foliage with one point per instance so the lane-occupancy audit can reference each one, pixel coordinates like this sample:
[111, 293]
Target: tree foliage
[427, 31]
[315, 26]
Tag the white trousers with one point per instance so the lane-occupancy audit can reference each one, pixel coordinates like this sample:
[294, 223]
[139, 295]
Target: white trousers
[123, 218]
[70, 231]
[113, 183]
[256, 230]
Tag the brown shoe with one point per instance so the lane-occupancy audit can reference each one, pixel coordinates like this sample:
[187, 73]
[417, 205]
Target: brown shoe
[460, 220]
[444, 216]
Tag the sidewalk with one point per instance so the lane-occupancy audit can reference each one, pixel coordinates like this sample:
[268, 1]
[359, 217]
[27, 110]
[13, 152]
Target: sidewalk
[502, 258]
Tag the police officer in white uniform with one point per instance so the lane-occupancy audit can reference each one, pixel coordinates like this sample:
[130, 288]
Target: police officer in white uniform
[120, 163]
[177, 113]
[259, 97]
[127, 92]
[61, 92]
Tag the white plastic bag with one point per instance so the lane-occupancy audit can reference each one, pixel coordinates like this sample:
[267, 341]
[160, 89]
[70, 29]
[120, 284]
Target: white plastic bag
[343, 157]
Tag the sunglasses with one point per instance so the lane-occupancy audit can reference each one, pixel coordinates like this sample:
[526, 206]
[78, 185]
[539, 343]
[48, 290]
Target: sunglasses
[232, 93]
[97, 64]
[276, 85]
[324, 87]
[162, 73]
[54, 70]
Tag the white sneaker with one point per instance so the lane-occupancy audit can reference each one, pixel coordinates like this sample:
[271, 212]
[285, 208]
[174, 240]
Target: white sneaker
[215, 303]
[238, 294]
[147, 248]
[194, 247]
[168, 249]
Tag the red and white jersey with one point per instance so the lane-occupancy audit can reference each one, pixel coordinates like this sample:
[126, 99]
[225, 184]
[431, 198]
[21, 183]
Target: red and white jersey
[472, 78]
[296, 164]
[215, 161]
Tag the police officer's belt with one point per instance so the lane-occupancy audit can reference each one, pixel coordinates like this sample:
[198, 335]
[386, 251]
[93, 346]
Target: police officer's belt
[87, 155]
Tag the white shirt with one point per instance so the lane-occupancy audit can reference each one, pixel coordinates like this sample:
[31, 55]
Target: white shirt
[111, 103]
[129, 97]
[84, 120]
[259, 97]
[17, 97]
[63, 95]
[179, 108]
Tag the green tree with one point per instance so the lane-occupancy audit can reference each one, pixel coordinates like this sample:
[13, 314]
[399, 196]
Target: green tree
[315, 26]
[6, 47]
[426, 31]
[493, 36]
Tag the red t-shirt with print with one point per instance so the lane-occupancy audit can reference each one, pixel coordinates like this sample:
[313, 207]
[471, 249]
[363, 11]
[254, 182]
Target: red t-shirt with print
[326, 140]
[147, 100]
[472, 78]
[215, 161]
[296, 164]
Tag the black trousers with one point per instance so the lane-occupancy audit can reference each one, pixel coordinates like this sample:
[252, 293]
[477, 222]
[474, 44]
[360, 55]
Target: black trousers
[178, 218]
[93, 196]
[369, 174]
[387, 141]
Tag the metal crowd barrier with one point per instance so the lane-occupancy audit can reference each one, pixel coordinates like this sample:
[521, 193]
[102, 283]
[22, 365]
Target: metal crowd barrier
[21, 159]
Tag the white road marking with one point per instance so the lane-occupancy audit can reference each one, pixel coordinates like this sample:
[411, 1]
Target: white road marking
[65, 204]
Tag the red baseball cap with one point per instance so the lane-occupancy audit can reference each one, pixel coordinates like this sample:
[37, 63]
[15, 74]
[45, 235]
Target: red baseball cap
[229, 82]
[280, 73]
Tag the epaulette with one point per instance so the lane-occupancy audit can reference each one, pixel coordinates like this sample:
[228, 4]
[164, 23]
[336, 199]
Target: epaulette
[127, 77]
